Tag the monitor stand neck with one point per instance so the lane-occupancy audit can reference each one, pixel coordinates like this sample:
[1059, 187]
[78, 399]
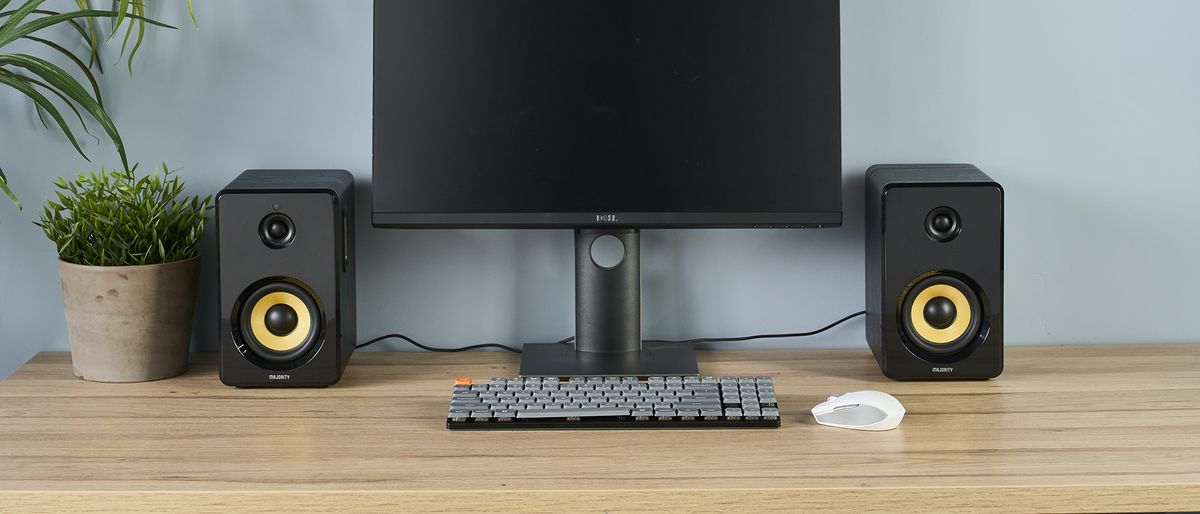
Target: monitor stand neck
[608, 338]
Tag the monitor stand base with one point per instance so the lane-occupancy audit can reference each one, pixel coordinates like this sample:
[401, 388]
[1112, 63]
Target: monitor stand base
[654, 359]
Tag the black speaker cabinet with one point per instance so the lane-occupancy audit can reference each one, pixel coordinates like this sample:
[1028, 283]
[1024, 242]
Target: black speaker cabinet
[285, 246]
[935, 271]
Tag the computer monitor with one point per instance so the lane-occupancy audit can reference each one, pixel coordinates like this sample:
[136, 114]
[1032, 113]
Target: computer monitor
[607, 117]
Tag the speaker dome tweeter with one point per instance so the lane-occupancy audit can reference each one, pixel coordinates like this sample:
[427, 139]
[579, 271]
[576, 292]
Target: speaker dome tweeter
[943, 224]
[277, 230]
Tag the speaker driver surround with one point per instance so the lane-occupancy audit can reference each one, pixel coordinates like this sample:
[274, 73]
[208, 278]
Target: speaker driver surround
[941, 314]
[280, 321]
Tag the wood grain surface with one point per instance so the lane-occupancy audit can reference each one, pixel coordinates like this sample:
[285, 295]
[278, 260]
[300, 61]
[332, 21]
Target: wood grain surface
[1065, 428]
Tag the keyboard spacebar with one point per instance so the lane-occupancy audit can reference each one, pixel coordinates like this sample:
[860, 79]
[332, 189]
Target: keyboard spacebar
[571, 413]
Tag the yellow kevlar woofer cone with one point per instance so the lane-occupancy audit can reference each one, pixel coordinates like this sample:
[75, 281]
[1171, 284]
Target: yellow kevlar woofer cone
[941, 314]
[266, 336]
[280, 321]
[927, 331]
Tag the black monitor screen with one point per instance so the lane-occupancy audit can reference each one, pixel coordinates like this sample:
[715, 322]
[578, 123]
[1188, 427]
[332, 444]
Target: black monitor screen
[630, 112]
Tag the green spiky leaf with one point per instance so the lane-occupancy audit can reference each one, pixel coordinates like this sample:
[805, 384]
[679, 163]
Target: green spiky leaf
[69, 86]
[49, 21]
[41, 100]
[115, 218]
[4, 182]
[87, 72]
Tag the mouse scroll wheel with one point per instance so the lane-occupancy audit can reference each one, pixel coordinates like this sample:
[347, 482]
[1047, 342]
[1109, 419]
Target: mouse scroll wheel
[844, 407]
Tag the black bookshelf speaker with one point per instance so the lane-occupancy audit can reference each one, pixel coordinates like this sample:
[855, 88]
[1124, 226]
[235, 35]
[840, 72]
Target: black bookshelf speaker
[285, 246]
[935, 271]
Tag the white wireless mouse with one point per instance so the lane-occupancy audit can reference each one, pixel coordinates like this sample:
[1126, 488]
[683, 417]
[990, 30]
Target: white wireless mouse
[860, 410]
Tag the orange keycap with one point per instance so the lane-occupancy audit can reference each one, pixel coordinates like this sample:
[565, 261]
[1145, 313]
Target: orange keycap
[462, 381]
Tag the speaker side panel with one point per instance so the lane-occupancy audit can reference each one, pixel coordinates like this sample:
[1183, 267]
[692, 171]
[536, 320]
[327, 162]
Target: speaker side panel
[347, 304]
[874, 268]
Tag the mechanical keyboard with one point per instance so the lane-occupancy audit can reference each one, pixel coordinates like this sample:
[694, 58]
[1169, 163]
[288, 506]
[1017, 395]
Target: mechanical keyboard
[614, 402]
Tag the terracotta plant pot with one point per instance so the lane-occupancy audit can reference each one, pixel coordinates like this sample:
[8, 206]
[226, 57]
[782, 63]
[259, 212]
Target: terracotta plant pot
[129, 323]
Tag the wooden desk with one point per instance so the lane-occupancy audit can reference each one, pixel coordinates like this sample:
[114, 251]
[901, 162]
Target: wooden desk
[1067, 428]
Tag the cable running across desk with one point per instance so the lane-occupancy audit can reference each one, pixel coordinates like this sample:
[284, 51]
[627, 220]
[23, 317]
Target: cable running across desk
[572, 338]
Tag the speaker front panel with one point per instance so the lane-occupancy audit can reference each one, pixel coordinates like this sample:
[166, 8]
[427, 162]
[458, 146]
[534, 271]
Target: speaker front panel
[280, 259]
[935, 277]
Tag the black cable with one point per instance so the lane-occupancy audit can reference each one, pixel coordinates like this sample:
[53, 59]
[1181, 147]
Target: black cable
[572, 338]
[434, 348]
[758, 336]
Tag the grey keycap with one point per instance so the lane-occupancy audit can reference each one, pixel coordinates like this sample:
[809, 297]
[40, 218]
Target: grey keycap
[710, 413]
[688, 413]
[696, 404]
[481, 414]
[770, 413]
[568, 413]
[643, 412]
[733, 413]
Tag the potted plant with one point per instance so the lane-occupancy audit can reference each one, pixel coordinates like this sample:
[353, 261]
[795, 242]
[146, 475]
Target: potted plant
[128, 265]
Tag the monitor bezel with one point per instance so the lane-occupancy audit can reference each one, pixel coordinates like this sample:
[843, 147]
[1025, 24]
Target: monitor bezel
[638, 220]
[570, 220]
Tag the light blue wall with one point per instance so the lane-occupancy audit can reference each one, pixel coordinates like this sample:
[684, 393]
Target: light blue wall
[1087, 111]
